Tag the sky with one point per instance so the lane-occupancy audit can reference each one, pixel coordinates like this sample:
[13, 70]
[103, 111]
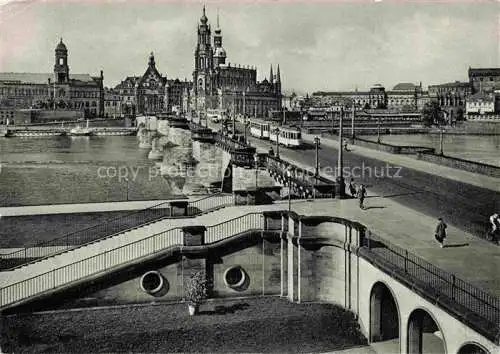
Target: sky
[319, 45]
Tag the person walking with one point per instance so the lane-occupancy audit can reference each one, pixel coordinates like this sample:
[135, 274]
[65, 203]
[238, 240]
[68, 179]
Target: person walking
[361, 196]
[440, 233]
[352, 188]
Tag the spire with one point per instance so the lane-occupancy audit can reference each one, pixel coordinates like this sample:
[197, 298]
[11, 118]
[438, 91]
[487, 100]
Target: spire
[151, 59]
[218, 18]
[271, 74]
[204, 18]
[278, 77]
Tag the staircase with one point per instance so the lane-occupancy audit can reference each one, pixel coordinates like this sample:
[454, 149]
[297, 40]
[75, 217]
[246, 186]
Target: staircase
[142, 221]
[68, 268]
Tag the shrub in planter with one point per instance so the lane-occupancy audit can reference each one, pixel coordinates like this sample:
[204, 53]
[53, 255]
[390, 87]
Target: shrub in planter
[196, 291]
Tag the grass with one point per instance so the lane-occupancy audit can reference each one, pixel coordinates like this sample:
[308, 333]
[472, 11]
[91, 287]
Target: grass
[261, 324]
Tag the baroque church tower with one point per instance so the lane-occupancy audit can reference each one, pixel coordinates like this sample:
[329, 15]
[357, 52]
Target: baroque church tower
[203, 81]
[61, 68]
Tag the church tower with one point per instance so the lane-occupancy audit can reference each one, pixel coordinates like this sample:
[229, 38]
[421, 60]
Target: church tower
[219, 52]
[204, 64]
[61, 69]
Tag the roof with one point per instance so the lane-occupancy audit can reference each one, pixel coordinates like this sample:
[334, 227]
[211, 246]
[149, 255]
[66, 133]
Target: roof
[451, 85]
[405, 86]
[40, 78]
[484, 71]
[481, 97]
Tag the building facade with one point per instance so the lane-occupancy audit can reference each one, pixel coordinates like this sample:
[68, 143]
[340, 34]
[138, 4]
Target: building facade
[480, 104]
[220, 85]
[59, 90]
[485, 80]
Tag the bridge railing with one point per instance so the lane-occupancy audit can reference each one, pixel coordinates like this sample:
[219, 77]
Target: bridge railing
[110, 228]
[120, 256]
[435, 279]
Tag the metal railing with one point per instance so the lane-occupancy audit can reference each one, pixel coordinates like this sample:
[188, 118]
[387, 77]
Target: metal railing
[461, 292]
[251, 221]
[108, 229]
[88, 267]
[119, 256]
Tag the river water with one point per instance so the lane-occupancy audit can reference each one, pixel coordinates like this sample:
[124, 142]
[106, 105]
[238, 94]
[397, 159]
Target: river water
[56, 170]
[480, 148]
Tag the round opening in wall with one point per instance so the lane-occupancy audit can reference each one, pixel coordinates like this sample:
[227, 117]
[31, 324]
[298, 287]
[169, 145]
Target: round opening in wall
[152, 282]
[235, 277]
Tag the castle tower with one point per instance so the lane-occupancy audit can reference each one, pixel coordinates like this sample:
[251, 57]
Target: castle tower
[219, 52]
[271, 76]
[61, 68]
[204, 64]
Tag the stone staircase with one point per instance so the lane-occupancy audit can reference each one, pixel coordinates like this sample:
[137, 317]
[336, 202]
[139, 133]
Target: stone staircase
[147, 220]
[69, 267]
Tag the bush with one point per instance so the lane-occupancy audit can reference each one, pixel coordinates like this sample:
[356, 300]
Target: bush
[196, 289]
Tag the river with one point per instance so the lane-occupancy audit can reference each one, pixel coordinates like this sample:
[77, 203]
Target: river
[480, 148]
[52, 170]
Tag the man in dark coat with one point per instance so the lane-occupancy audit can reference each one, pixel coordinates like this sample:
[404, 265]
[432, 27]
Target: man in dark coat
[361, 196]
[440, 232]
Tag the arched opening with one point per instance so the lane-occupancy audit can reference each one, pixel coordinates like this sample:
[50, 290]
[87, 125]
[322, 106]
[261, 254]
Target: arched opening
[424, 334]
[384, 316]
[472, 348]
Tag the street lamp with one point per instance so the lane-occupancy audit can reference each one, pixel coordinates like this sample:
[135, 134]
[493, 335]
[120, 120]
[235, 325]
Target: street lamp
[440, 140]
[126, 179]
[247, 124]
[277, 132]
[316, 142]
[289, 175]
[340, 177]
[352, 120]
[256, 159]
[378, 129]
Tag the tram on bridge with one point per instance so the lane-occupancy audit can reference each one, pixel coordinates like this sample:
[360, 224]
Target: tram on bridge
[288, 136]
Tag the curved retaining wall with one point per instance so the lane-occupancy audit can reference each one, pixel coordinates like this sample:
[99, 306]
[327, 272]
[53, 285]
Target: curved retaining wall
[465, 165]
[393, 149]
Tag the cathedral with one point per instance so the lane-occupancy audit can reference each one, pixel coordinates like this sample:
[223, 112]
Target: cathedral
[218, 84]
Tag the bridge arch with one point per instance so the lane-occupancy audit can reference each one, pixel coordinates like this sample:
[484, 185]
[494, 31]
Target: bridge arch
[472, 348]
[385, 316]
[424, 334]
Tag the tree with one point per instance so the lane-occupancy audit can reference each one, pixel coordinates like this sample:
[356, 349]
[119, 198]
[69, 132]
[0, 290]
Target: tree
[432, 114]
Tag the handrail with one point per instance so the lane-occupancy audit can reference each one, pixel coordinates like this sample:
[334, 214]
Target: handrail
[463, 293]
[108, 229]
[111, 258]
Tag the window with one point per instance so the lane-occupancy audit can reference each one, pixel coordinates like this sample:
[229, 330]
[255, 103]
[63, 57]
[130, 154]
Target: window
[61, 61]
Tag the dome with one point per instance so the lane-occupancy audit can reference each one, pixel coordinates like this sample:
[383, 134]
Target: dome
[61, 46]
[220, 52]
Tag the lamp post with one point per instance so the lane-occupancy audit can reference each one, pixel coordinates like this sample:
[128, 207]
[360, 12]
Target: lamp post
[234, 115]
[340, 178]
[352, 120]
[378, 129]
[289, 175]
[316, 142]
[440, 140]
[277, 132]
[126, 179]
[256, 159]
[247, 124]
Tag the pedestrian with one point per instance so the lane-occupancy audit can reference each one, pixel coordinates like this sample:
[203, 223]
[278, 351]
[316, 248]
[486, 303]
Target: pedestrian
[352, 188]
[440, 233]
[345, 145]
[361, 196]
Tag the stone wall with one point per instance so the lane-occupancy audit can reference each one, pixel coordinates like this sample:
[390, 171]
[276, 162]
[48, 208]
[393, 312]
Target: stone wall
[465, 165]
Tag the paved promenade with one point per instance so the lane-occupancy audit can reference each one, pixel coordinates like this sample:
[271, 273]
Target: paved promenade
[472, 259]
[409, 161]
[87, 207]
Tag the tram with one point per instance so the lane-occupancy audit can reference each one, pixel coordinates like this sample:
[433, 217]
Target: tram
[287, 136]
[259, 129]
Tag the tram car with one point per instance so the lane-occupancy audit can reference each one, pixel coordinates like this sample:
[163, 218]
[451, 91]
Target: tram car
[288, 136]
[259, 129]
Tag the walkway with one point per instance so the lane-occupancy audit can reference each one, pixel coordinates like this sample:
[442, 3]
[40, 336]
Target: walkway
[411, 162]
[474, 260]
[88, 207]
